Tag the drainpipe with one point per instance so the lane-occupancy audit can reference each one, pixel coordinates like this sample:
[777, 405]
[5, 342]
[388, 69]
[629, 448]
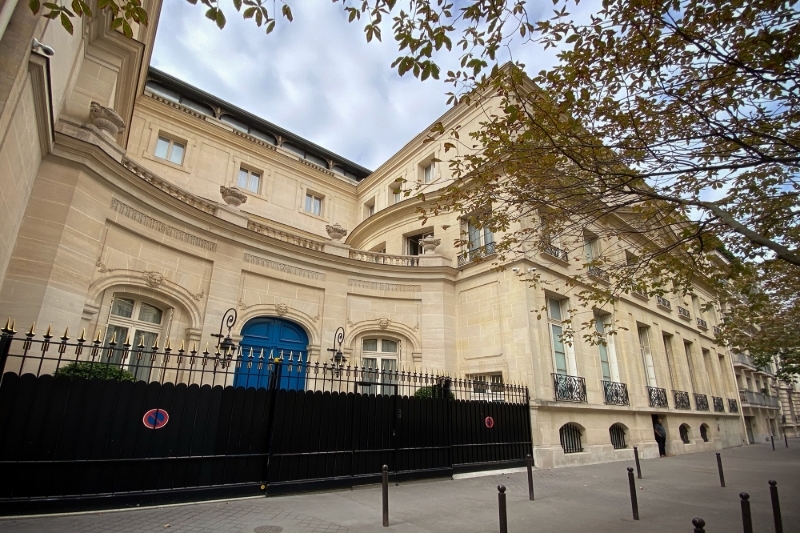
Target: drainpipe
[5, 15]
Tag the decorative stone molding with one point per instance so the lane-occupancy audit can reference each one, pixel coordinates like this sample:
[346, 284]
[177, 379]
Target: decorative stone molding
[153, 279]
[156, 225]
[232, 196]
[429, 244]
[282, 267]
[281, 309]
[284, 236]
[375, 286]
[101, 267]
[383, 323]
[336, 232]
[176, 192]
[106, 119]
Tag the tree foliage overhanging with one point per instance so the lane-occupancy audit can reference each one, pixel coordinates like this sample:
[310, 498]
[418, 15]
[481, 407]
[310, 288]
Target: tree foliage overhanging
[669, 129]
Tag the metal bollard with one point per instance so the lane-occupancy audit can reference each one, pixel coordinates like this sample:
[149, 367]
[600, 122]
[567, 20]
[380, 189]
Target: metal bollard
[636, 457]
[772, 440]
[634, 501]
[719, 467]
[747, 519]
[501, 504]
[385, 491]
[785, 440]
[699, 525]
[776, 505]
[530, 477]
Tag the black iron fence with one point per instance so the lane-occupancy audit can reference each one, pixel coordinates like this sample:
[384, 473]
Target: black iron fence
[86, 425]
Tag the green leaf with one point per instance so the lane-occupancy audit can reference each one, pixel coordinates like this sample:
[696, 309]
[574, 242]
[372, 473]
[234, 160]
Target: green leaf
[237, 4]
[34, 6]
[126, 29]
[220, 19]
[287, 12]
[270, 26]
[66, 23]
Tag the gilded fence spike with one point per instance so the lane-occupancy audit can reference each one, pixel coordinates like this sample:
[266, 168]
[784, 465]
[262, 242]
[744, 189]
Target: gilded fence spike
[13, 326]
[65, 338]
[99, 335]
[8, 324]
[141, 341]
[155, 343]
[127, 339]
[194, 347]
[169, 344]
[113, 338]
[179, 349]
[49, 331]
[32, 332]
[82, 338]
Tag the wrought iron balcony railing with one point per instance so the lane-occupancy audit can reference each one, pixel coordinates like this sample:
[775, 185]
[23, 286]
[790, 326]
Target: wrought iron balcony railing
[719, 405]
[681, 399]
[700, 402]
[733, 406]
[476, 253]
[615, 393]
[555, 251]
[717, 331]
[758, 399]
[640, 293]
[684, 313]
[657, 396]
[702, 324]
[663, 302]
[598, 273]
[569, 388]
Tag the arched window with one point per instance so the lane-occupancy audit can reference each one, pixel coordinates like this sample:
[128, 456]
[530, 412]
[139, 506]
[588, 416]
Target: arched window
[379, 356]
[617, 432]
[704, 432]
[684, 430]
[570, 438]
[138, 322]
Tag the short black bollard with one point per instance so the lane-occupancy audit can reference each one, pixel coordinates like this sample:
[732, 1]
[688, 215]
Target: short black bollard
[719, 467]
[634, 502]
[530, 477]
[699, 525]
[636, 457]
[776, 505]
[385, 491]
[772, 440]
[501, 504]
[785, 440]
[747, 519]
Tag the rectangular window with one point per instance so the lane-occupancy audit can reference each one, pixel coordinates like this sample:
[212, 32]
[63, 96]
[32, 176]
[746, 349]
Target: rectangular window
[170, 150]
[687, 346]
[428, 173]
[313, 204]
[397, 195]
[414, 246]
[605, 367]
[249, 180]
[556, 333]
[478, 237]
[647, 355]
[673, 381]
[591, 246]
[369, 208]
[712, 378]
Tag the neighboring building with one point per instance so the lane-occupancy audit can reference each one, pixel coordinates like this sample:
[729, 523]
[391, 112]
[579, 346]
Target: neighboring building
[789, 396]
[758, 394]
[141, 207]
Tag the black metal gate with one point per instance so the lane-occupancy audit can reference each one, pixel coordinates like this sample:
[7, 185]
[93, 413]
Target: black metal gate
[78, 432]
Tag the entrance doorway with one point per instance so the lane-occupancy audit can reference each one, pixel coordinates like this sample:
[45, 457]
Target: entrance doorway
[748, 425]
[272, 338]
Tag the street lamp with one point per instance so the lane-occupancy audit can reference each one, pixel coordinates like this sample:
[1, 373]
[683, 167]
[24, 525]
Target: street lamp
[337, 356]
[226, 345]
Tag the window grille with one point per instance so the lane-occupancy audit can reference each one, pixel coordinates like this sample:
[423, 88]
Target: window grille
[704, 432]
[684, 430]
[570, 438]
[617, 436]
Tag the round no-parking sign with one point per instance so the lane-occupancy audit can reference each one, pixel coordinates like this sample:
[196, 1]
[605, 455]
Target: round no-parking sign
[489, 421]
[155, 419]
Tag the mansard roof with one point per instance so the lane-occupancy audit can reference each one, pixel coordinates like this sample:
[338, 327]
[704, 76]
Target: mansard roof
[220, 109]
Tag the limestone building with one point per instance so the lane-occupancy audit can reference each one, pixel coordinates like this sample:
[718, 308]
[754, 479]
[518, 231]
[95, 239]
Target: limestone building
[134, 204]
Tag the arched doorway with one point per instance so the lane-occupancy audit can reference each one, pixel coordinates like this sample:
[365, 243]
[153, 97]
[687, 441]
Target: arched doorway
[273, 336]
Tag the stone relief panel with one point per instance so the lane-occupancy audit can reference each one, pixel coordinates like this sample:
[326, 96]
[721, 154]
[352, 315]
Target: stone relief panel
[280, 297]
[384, 311]
[479, 322]
[157, 263]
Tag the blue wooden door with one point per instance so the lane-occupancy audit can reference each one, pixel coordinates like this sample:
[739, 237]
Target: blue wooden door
[274, 336]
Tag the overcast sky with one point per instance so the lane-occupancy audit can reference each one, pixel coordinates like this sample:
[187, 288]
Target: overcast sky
[316, 76]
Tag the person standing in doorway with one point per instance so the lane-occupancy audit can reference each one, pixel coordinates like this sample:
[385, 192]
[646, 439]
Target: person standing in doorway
[661, 438]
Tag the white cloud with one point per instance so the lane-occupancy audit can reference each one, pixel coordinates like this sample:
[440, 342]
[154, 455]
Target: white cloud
[316, 76]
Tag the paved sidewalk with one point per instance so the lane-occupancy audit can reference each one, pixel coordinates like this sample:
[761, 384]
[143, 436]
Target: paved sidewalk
[591, 498]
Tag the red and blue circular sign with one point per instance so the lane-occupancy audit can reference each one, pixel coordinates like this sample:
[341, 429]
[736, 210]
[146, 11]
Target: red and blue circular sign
[155, 419]
[489, 421]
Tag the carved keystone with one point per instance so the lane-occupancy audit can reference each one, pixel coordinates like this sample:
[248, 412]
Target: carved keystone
[232, 196]
[106, 119]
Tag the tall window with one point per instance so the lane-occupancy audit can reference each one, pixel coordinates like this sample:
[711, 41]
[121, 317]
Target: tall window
[712, 377]
[647, 355]
[369, 208]
[397, 195]
[313, 204]
[249, 180]
[414, 247]
[141, 323]
[605, 367]
[379, 356]
[170, 150]
[480, 237]
[673, 380]
[687, 346]
[554, 316]
[591, 246]
[428, 173]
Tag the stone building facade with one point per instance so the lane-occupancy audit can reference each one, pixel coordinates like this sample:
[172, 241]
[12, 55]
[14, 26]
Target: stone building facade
[134, 203]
